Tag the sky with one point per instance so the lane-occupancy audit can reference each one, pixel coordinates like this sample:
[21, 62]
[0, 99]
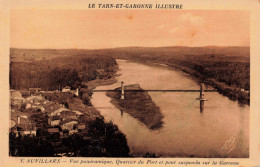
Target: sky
[96, 29]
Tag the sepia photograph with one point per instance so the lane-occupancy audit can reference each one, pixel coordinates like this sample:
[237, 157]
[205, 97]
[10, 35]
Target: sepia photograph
[129, 83]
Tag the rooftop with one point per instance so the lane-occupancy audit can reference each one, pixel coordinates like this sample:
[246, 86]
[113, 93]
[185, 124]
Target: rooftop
[26, 127]
[68, 120]
[55, 117]
[38, 98]
[53, 130]
[68, 113]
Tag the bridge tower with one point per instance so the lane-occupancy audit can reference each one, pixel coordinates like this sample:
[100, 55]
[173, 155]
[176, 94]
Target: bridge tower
[201, 98]
[122, 91]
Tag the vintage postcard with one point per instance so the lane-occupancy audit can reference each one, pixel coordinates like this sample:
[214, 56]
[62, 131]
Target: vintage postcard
[129, 83]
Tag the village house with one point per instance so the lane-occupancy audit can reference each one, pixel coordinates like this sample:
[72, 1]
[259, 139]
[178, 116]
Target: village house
[57, 112]
[42, 109]
[16, 99]
[51, 107]
[68, 115]
[66, 89]
[54, 132]
[69, 124]
[35, 99]
[73, 131]
[17, 103]
[24, 129]
[34, 90]
[54, 121]
[35, 102]
[28, 105]
[78, 112]
[22, 119]
[65, 114]
[28, 129]
[23, 126]
[15, 94]
[81, 126]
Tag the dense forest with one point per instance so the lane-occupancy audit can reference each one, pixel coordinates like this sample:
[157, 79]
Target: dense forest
[55, 73]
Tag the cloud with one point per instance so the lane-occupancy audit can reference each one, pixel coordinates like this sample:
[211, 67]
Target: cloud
[174, 30]
[160, 27]
[191, 20]
[189, 27]
[189, 23]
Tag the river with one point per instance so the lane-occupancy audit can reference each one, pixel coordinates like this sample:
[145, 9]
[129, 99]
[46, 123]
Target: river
[222, 130]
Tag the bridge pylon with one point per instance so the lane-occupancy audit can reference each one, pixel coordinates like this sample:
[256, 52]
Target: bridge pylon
[122, 91]
[202, 98]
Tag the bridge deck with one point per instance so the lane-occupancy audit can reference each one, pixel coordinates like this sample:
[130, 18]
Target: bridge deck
[151, 90]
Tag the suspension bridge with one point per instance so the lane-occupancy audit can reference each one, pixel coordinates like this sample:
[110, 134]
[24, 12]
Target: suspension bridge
[201, 97]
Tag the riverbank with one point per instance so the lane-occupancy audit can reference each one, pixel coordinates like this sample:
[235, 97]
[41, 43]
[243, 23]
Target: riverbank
[138, 104]
[232, 92]
[85, 91]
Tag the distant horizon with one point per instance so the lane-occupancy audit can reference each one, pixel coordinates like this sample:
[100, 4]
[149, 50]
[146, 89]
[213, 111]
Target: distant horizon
[220, 46]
